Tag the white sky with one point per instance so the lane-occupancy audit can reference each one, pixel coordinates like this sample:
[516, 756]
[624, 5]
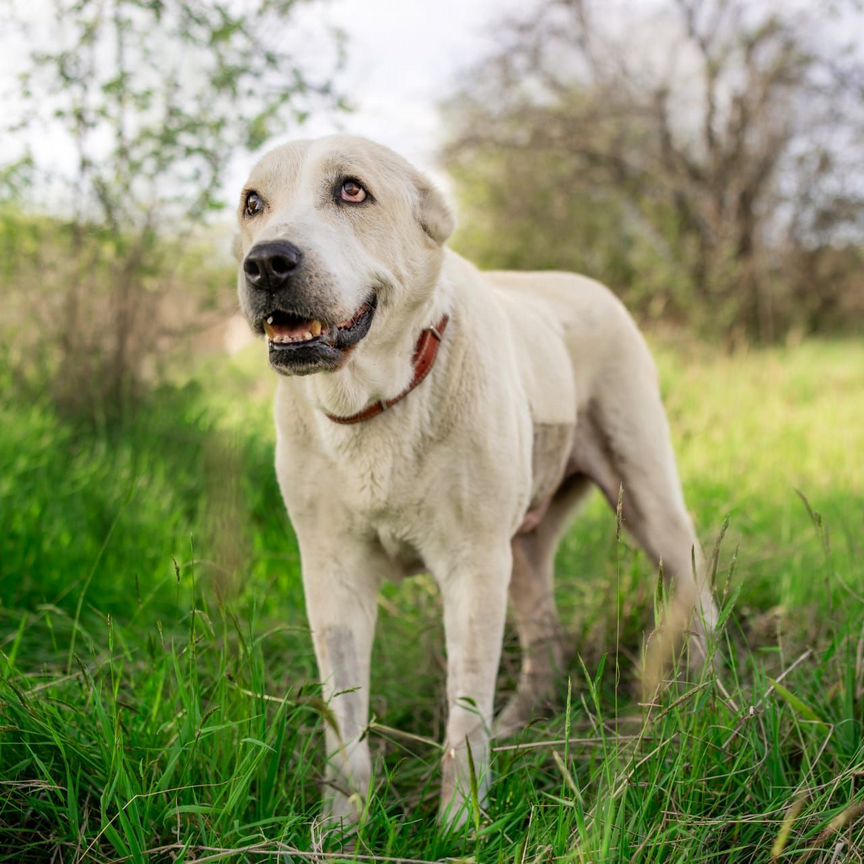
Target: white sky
[403, 57]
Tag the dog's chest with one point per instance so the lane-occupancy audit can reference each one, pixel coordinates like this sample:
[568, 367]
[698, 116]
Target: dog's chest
[388, 503]
[395, 494]
[373, 477]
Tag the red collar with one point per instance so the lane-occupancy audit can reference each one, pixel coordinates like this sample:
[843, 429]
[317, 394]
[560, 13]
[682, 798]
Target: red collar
[424, 359]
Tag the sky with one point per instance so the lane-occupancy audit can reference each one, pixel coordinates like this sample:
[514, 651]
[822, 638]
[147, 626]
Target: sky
[402, 58]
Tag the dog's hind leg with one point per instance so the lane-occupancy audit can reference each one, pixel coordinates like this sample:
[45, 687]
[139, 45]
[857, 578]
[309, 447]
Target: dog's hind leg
[535, 613]
[622, 442]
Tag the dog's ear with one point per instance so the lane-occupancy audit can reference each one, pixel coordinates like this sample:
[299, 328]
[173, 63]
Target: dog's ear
[434, 214]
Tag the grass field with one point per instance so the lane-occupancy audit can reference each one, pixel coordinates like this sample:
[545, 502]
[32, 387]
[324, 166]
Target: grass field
[157, 685]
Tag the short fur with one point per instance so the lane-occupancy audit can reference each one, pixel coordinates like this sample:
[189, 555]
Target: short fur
[543, 387]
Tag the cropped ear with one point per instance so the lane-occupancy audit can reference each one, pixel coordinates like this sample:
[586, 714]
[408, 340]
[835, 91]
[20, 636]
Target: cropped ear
[434, 215]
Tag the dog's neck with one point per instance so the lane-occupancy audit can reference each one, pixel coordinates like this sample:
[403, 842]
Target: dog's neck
[380, 368]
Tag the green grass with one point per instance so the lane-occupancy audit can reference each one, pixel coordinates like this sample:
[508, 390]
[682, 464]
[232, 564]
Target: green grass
[158, 698]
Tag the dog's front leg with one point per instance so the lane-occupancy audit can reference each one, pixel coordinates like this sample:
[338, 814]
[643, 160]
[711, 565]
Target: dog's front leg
[474, 591]
[341, 602]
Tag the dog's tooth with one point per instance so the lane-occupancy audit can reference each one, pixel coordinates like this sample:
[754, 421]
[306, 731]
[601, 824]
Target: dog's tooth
[307, 336]
[315, 329]
[270, 319]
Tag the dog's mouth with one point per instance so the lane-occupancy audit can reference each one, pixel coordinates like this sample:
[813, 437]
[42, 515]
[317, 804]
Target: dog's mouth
[286, 328]
[301, 345]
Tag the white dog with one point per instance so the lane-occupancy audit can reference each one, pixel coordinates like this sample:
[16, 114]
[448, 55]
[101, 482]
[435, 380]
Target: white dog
[434, 418]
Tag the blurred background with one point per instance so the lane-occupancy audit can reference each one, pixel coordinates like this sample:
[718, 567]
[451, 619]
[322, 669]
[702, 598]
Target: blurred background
[703, 158]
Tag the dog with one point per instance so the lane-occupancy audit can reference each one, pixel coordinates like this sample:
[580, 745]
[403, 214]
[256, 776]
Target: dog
[434, 418]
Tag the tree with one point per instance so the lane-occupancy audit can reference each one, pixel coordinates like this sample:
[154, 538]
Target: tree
[147, 101]
[694, 156]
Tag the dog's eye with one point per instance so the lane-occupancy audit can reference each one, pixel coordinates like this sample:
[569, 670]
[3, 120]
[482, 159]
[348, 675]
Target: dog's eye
[253, 204]
[352, 192]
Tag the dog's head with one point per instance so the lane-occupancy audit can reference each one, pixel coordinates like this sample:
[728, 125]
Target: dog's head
[334, 235]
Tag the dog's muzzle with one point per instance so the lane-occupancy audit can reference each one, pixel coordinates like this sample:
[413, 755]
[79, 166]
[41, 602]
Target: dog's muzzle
[303, 335]
[301, 346]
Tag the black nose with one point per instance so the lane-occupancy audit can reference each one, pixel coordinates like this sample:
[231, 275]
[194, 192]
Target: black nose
[269, 266]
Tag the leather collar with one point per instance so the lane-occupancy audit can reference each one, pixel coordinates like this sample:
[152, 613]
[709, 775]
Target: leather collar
[423, 361]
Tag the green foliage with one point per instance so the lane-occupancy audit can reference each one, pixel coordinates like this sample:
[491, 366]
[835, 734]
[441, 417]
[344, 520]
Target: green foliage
[92, 313]
[153, 99]
[157, 695]
[145, 104]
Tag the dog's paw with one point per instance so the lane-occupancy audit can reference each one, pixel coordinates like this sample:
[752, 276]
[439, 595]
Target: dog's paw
[343, 811]
[464, 785]
[514, 717]
[455, 816]
[534, 699]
